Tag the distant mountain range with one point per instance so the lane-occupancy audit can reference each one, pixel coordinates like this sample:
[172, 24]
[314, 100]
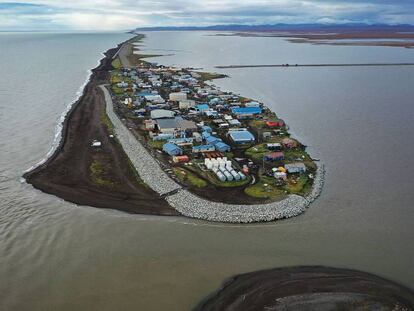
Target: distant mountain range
[285, 27]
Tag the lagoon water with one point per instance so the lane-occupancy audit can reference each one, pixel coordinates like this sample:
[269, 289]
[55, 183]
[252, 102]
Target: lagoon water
[55, 255]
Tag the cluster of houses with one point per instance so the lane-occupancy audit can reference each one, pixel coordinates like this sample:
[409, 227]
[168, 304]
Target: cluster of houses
[195, 120]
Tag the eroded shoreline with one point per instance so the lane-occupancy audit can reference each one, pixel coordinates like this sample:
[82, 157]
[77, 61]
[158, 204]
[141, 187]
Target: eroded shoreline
[150, 193]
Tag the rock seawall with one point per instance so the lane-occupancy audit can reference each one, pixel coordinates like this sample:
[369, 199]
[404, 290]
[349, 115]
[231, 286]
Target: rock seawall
[193, 206]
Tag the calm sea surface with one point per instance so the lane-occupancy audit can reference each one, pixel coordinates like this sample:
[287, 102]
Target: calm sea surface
[360, 121]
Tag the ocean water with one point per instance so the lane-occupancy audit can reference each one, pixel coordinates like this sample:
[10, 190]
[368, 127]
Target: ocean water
[56, 255]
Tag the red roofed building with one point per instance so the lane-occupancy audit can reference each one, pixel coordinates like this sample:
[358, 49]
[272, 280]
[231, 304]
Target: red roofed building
[276, 123]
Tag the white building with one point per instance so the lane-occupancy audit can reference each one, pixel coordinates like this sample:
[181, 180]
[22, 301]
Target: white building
[178, 96]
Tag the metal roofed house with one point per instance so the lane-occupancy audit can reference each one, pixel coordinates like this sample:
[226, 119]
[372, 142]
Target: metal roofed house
[173, 125]
[186, 104]
[172, 149]
[212, 140]
[203, 148]
[294, 168]
[241, 137]
[202, 107]
[154, 98]
[177, 96]
[234, 122]
[161, 114]
[246, 111]
[222, 147]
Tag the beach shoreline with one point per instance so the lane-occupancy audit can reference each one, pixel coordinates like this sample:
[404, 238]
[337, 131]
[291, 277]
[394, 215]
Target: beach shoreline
[65, 173]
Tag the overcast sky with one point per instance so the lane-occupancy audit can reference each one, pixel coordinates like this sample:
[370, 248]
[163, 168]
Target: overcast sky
[128, 14]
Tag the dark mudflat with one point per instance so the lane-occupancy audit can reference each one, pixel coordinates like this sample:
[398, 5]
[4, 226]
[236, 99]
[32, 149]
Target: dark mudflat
[309, 288]
[67, 174]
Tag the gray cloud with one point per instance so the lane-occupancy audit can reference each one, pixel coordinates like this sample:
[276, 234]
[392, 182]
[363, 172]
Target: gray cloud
[126, 14]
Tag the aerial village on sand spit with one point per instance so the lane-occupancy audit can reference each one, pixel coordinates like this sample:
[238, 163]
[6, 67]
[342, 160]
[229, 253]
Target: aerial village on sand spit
[209, 140]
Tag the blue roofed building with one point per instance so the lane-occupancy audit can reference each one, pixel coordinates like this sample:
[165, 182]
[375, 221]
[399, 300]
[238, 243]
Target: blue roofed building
[172, 149]
[241, 137]
[245, 112]
[212, 140]
[222, 147]
[202, 107]
[205, 135]
[206, 128]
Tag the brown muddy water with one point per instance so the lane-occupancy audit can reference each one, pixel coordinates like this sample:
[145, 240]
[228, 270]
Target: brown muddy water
[58, 256]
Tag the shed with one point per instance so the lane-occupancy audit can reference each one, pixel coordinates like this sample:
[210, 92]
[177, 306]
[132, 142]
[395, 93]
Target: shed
[186, 104]
[172, 149]
[203, 148]
[161, 114]
[234, 122]
[177, 96]
[274, 156]
[295, 168]
[275, 123]
[202, 107]
[241, 137]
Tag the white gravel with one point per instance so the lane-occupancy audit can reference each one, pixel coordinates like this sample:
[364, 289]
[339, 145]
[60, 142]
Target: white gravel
[193, 206]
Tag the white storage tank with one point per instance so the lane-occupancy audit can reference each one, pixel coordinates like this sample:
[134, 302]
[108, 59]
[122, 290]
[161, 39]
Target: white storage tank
[235, 175]
[220, 176]
[242, 176]
[228, 176]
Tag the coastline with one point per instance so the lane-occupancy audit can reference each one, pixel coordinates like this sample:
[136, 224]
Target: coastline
[148, 193]
[310, 288]
[65, 174]
[193, 206]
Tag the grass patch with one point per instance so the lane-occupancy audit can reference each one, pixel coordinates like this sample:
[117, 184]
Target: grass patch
[257, 152]
[205, 76]
[189, 177]
[99, 174]
[299, 186]
[265, 188]
[156, 144]
[105, 120]
[259, 124]
[116, 63]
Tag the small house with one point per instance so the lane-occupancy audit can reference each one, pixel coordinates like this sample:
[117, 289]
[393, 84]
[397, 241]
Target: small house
[186, 104]
[274, 156]
[234, 122]
[172, 149]
[161, 114]
[241, 137]
[212, 140]
[274, 147]
[295, 168]
[276, 123]
[202, 108]
[181, 159]
[177, 96]
[222, 147]
[203, 148]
